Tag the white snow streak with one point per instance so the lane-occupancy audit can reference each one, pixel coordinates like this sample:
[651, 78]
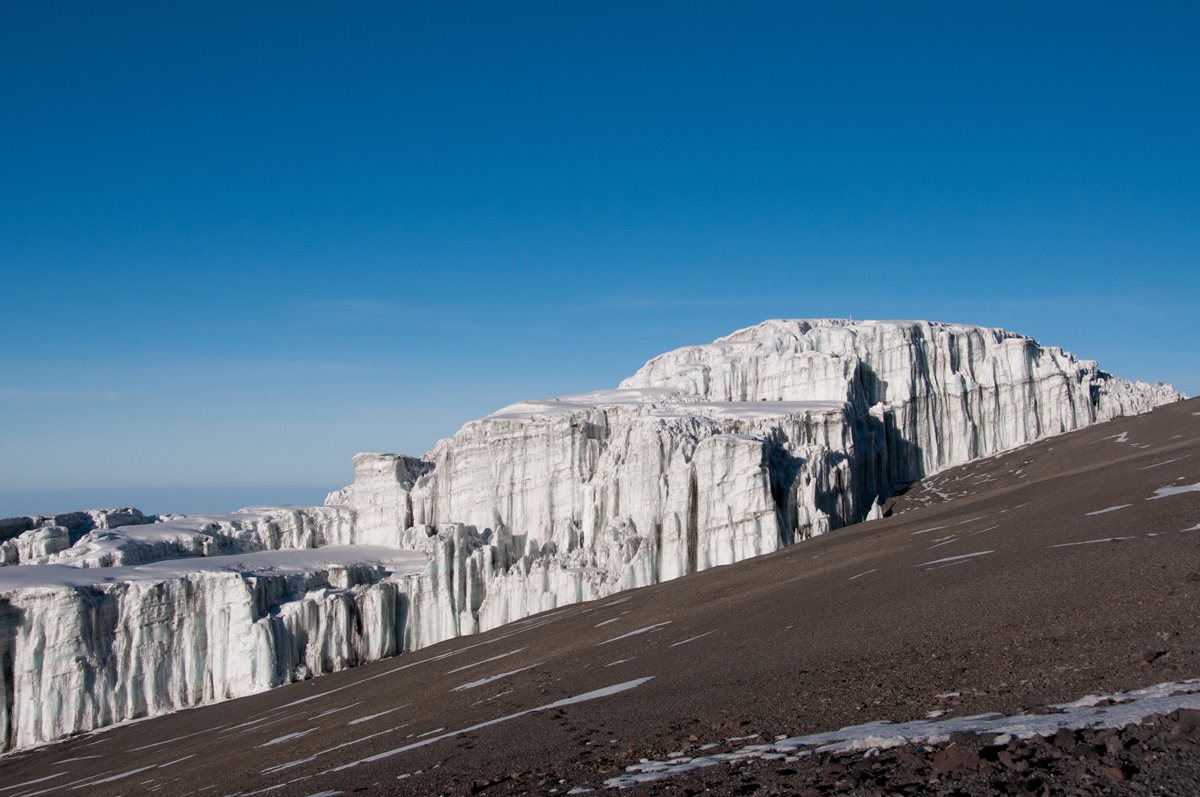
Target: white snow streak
[1165, 462]
[955, 558]
[586, 696]
[1089, 542]
[947, 526]
[31, 782]
[1109, 509]
[319, 753]
[128, 774]
[645, 630]
[176, 739]
[490, 678]
[377, 715]
[693, 639]
[485, 661]
[493, 697]
[333, 711]
[287, 737]
[133, 772]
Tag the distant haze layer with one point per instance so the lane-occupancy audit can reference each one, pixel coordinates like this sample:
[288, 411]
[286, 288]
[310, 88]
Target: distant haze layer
[155, 500]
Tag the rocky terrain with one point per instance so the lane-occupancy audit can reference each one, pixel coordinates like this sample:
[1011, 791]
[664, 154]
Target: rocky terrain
[1158, 755]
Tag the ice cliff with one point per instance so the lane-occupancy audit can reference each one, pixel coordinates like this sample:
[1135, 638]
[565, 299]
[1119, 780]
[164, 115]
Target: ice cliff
[82, 650]
[707, 455]
[710, 454]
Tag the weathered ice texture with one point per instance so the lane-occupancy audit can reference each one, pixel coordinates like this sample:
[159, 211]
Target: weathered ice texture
[956, 392]
[33, 538]
[381, 495]
[706, 456]
[178, 536]
[80, 652]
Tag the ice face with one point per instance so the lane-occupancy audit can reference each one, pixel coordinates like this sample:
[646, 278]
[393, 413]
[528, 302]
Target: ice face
[112, 538]
[706, 456]
[711, 454]
[83, 648]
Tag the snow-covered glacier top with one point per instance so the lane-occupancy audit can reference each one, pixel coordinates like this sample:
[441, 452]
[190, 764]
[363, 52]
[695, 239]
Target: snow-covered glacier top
[285, 563]
[874, 361]
[661, 402]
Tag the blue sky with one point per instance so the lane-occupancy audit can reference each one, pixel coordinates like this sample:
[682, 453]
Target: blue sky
[240, 242]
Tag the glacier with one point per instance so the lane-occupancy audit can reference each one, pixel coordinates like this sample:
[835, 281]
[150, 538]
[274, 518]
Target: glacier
[84, 648]
[706, 456]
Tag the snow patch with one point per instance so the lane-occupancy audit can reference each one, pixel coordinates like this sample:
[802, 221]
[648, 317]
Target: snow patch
[327, 750]
[490, 678]
[1164, 492]
[376, 715]
[1165, 462]
[693, 639]
[333, 711]
[32, 782]
[133, 772]
[1129, 707]
[958, 558]
[595, 694]
[648, 629]
[1109, 509]
[484, 661]
[287, 737]
[1090, 542]
[947, 526]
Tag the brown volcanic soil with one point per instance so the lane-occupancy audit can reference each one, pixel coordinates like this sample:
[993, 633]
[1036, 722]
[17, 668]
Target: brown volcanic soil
[859, 625]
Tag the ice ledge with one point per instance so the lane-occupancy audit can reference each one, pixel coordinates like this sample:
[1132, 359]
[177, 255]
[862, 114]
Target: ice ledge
[293, 562]
[657, 402]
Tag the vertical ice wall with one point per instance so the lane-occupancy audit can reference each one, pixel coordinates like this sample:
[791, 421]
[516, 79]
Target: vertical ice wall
[82, 648]
[711, 454]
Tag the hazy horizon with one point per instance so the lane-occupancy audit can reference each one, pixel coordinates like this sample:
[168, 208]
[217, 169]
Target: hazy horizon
[157, 500]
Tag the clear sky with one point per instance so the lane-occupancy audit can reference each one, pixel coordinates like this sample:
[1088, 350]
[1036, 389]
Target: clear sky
[241, 241]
